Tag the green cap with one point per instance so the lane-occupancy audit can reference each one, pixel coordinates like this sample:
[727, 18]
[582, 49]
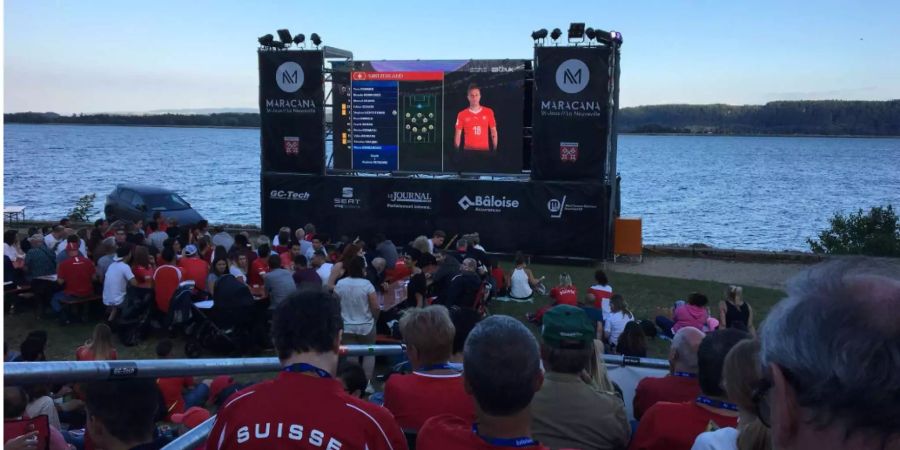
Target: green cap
[564, 324]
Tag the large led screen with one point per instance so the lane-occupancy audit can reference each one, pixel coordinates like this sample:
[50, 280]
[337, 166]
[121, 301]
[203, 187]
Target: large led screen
[429, 116]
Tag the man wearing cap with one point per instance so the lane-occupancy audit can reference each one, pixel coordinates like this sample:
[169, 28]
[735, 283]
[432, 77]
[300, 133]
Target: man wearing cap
[305, 406]
[76, 274]
[567, 411]
[62, 247]
[118, 277]
[193, 268]
[502, 372]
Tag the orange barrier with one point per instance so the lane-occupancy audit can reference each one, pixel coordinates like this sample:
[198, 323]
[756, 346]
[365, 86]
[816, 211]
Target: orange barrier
[628, 237]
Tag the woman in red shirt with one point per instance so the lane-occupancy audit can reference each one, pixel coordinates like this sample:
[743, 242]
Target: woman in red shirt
[565, 293]
[142, 267]
[99, 347]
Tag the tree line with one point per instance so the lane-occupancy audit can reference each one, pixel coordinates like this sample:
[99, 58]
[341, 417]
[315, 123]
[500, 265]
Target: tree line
[828, 117]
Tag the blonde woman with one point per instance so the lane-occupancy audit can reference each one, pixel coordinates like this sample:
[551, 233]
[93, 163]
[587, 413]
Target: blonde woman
[734, 312]
[99, 347]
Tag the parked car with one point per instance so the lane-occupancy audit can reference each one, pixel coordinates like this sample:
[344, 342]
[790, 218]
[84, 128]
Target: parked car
[135, 202]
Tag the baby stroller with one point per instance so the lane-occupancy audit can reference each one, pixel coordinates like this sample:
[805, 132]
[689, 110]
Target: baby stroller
[132, 323]
[228, 327]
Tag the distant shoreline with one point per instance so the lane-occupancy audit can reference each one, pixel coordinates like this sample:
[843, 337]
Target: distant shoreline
[867, 136]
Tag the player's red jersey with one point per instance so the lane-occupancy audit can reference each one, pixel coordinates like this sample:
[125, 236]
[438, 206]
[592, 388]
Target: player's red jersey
[296, 411]
[476, 127]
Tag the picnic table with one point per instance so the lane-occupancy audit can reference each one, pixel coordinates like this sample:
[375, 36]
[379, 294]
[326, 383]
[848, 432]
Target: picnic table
[13, 213]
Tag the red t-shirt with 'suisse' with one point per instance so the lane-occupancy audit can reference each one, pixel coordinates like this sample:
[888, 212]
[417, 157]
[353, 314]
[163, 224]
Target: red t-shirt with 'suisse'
[166, 279]
[299, 411]
[676, 425]
[78, 272]
[670, 388]
[171, 389]
[194, 269]
[416, 397]
[565, 295]
[258, 267]
[449, 432]
[475, 127]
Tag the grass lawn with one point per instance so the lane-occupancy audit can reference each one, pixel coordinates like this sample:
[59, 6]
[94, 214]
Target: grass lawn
[643, 294]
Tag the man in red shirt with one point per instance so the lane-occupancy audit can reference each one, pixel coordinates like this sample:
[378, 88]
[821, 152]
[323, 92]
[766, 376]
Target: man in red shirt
[474, 123]
[259, 266]
[305, 407]
[680, 385]
[502, 371]
[287, 258]
[166, 279]
[676, 425]
[194, 268]
[434, 387]
[77, 274]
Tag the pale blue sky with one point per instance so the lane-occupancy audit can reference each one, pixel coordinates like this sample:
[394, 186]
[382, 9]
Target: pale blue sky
[94, 56]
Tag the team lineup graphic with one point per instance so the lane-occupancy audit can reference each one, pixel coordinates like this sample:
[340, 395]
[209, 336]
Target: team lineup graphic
[421, 116]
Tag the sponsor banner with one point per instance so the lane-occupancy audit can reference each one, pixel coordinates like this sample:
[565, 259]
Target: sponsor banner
[291, 108]
[571, 113]
[539, 218]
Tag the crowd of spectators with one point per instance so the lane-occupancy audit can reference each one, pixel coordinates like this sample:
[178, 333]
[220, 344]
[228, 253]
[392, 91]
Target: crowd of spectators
[820, 373]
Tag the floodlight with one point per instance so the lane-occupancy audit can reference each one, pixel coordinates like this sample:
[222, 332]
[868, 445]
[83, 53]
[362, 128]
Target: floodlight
[285, 36]
[316, 40]
[555, 34]
[277, 44]
[266, 41]
[298, 39]
[576, 30]
[607, 37]
[535, 35]
[590, 34]
[542, 33]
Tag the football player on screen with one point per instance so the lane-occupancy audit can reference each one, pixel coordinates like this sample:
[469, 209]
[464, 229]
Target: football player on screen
[475, 124]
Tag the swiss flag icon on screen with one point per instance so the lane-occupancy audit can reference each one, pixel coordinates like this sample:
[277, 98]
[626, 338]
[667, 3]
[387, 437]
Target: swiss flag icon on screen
[568, 151]
[291, 145]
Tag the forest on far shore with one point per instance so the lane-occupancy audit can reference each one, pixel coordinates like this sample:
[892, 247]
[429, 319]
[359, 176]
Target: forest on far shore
[820, 117]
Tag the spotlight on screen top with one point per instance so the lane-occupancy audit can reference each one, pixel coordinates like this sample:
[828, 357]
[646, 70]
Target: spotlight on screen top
[298, 39]
[608, 37]
[576, 31]
[555, 34]
[285, 36]
[316, 40]
[266, 41]
[535, 35]
[542, 33]
[589, 33]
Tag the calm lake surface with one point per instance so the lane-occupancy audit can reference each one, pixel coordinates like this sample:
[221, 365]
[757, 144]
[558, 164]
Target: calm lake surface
[734, 192]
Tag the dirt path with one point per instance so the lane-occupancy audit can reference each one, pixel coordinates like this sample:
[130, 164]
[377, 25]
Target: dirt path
[767, 275]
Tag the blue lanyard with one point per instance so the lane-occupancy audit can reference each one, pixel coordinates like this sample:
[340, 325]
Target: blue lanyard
[304, 368]
[436, 367]
[716, 403]
[685, 374]
[519, 442]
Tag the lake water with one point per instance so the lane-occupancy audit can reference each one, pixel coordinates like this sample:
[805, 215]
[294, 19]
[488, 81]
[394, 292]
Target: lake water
[734, 192]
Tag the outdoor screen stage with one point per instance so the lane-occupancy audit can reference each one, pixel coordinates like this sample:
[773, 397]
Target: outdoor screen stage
[520, 151]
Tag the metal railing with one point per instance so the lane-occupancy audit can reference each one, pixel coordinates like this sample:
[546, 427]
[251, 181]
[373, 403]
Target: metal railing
[67, 371]
[18, 373]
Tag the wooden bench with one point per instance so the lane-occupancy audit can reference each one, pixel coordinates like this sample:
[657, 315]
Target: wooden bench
[84, 302]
